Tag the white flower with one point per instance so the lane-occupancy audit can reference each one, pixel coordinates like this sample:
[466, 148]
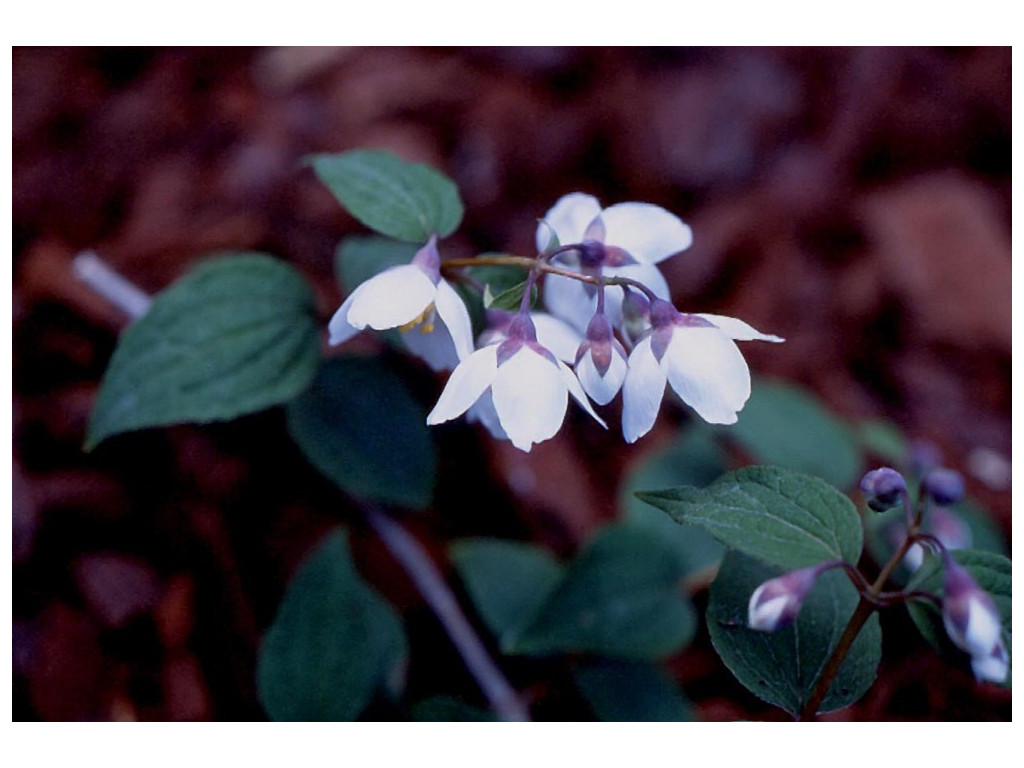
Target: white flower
[553, 334]
[601, 361]
[527, 385]
[776, 603]
[972, 622]
[625, 240]
[414, 298]
[698, 356]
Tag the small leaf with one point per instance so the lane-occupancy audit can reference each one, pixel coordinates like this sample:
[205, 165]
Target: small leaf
[448, 709]
[631, 692]
[781, 517]
[695, 458]
[782, 667]
[360, 257]
[993, 573]
[333, 644]
[236, 335]
[619, 597]
[511, 299]
[407, 201]
[782, 424]
[359, 425]
[508, 581]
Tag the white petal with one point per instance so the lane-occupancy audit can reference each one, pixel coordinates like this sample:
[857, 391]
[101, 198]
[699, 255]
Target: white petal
[983, 628]
[765, 617]
[392, 298]
[452, 310]
[530, 398]
[340, 329]
[557, 335]
[568, 299]
[435, 347]
[641, 392]
[576, 390]
[483, 411]
[706, 369]
[467, 383]
[991, 666]
[601, 388]
[650, 234]
[648, 274]
[568, 218]
[738, 330]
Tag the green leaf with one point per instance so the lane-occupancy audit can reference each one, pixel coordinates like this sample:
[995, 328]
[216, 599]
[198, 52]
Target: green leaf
[333, 644]
[695, 458]
[993, 573]
[884, 441]
[360, 257]
[782, 424]
[406, 201]
[508, 581]
[781, 517]
[448, 709]
[782, 667]
[509, 300]
[361, 427]
[619, 597]
[631, 692]
[235, 335]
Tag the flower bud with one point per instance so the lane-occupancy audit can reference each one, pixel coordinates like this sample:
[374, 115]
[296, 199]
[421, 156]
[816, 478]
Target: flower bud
[972, 622]
[776, 603]
[883, 488]
[924, 457]
[945, 486]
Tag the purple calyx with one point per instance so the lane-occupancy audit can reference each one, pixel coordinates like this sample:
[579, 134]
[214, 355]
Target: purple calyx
[428, 259]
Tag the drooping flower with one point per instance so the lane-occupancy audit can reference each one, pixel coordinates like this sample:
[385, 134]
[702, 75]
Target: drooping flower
[414, 298]
[601, 361]
[695, 354]
[972, 622]
[776, 603]
[556, 335]
[625, 240]
[527, 384]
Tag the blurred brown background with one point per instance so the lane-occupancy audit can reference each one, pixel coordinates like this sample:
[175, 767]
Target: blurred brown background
[855, 201]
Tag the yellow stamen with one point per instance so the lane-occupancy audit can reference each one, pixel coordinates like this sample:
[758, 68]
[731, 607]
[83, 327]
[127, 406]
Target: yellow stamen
[427, 325]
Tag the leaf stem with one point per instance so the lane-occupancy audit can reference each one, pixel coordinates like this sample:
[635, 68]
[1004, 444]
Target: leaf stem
[536, 264]
[502, 697]
[868, 604]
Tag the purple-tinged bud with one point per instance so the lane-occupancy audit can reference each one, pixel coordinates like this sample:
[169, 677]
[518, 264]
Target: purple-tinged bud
[883, 488]
[924, 457]
[599, 341]
[776, 603]
[636, 314]
[972, 622]
[945, 486]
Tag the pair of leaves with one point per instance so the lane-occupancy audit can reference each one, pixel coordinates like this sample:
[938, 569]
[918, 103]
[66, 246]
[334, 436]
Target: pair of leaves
[619, 597]
[334, 644]
[406, 201]
[777, 520]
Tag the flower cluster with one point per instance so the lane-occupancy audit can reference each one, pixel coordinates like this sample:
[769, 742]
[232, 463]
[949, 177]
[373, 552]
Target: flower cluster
[608, 316]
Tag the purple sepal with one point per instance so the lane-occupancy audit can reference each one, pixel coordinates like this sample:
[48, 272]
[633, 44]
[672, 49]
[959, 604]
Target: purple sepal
[428, 259]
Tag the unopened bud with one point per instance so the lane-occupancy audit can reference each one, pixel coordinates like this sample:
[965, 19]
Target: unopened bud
[636, 314]
[945, 486]
[883, 488]
[972, 622]
[776, 603]
[924, 457]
